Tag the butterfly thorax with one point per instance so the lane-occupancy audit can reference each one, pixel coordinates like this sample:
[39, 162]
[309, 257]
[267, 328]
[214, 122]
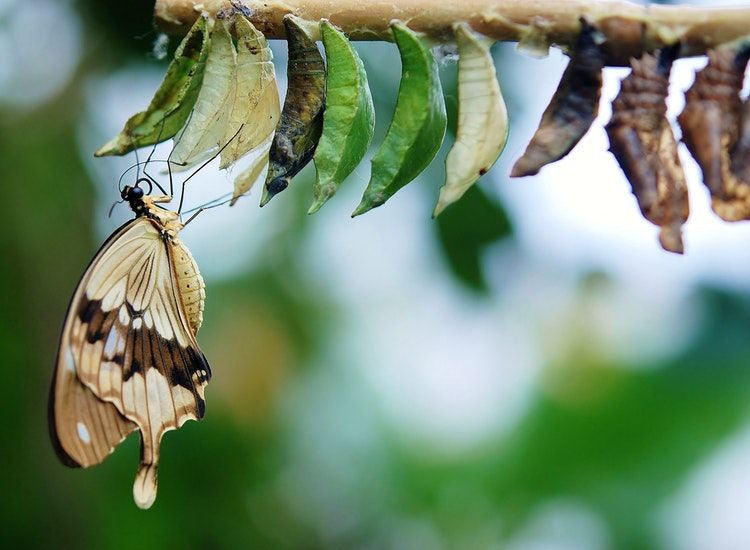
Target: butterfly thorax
[168, 221]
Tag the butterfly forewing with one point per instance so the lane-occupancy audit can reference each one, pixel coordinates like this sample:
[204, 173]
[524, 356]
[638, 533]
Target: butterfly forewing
[128, 356]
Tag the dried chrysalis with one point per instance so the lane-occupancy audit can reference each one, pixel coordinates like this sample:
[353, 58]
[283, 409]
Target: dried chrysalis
[740, 153]
[711, 127]
[572, 110]
[642, 141]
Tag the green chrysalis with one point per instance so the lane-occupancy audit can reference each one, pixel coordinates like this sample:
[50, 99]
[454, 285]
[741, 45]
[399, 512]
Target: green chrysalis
[418, 126]
[349, 119]
[173, 101]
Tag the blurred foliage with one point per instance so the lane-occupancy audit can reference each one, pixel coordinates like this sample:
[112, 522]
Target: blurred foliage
[126, 27]
[295, 451]
[468, 226]
[619, 441]
[465, 229]
[45, 232]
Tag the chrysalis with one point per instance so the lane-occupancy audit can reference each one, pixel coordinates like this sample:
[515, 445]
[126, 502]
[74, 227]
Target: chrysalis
[418, 125]
[173, 101]
[202, 135]
[740, 153]
[642, 141]
[253, 112]
[254, 173]
[572, 110]
[301, 120]
[349, 119]
[710, 128]
[482, 118]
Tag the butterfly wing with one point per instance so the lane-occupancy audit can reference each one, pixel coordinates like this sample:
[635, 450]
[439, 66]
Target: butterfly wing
[84, 430]
[132, 346]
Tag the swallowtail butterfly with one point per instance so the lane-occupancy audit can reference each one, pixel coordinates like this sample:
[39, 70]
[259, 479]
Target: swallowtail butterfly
[128, 357]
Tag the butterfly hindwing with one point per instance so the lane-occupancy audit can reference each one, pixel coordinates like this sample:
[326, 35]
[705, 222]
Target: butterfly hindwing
[133, 350]
[84, 429]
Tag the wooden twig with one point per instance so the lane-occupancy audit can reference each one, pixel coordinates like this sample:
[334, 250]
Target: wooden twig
[629, 28]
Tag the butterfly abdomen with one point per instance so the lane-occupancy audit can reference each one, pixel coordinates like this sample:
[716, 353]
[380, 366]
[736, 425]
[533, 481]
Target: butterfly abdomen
[189, 285]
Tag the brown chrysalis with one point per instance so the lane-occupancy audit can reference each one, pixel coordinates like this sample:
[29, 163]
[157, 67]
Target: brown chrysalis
[740, 153]
[572, 110]
[711, 130]
[642, 141]
[301, 123]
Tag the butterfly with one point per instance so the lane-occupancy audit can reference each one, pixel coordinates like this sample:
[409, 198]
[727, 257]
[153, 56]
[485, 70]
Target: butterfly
[128, 357]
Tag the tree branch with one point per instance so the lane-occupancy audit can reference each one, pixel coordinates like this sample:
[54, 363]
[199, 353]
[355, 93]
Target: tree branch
[630, 28]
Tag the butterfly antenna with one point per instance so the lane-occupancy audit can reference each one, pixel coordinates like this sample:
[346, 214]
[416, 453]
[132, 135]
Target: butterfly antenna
[152, 181]
[202, 166]
[119, 182]
[128, 169]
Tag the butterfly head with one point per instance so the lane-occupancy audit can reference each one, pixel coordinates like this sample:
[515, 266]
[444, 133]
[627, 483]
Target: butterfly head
[141, 201]
[133, 195]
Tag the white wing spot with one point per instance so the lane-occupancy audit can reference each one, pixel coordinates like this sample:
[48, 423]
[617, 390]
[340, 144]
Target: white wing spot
[70, 362]
[83, 432]
[137, 322]
[123, 315]
[110, 346]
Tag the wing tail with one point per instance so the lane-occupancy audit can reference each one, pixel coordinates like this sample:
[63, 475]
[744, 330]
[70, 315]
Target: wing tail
[146, 480]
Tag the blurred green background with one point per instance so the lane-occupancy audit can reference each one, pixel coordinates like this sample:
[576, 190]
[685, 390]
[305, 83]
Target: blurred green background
[528, 372]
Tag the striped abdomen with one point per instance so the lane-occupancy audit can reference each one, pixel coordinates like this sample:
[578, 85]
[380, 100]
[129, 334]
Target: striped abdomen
[190, 286]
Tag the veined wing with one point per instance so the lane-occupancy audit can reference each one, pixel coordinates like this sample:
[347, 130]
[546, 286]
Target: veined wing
[130, 343]
[84, 430]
